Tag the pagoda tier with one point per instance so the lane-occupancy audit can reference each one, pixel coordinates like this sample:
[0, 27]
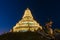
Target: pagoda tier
[27, 23]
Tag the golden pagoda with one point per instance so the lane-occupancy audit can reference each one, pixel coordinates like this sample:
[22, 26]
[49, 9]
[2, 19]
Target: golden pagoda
[27, 23]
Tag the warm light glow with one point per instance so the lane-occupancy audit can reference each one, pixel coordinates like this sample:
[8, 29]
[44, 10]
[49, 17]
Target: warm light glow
[27, 23]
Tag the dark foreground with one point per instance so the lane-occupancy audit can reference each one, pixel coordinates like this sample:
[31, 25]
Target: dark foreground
[26, 36]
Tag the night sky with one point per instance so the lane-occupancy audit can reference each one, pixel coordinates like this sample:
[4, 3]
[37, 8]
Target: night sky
[11, 11]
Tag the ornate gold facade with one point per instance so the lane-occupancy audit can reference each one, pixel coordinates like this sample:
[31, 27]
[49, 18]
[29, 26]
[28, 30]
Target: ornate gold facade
[27, 23]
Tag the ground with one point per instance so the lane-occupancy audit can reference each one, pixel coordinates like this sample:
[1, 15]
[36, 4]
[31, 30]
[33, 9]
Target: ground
[23, 36]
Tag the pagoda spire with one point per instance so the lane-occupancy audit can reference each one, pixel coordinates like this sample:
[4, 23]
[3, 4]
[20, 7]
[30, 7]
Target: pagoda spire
[27, 13]
[27, 23]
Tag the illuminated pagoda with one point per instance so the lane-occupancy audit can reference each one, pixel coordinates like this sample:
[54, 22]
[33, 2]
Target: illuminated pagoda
[27, 23]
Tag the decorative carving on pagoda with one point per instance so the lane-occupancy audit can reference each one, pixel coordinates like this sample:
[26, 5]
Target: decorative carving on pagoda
[27, 23]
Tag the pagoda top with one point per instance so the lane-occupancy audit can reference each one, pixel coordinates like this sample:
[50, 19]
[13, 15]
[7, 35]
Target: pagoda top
[27, 13]
[27, 23]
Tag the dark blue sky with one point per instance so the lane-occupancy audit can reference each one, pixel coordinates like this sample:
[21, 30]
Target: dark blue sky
[11, 11]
